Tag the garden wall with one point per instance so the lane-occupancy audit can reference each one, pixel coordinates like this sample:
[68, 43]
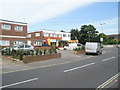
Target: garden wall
[28, 59]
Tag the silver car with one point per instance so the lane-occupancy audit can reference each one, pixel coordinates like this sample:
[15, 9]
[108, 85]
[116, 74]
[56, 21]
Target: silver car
[23, 47]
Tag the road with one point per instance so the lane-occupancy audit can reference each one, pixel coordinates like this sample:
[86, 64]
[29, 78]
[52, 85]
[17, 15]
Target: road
[87, 73]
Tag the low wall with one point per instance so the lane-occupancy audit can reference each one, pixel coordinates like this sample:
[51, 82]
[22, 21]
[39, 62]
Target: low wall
[79, 52]
[42, 48]
[28, 59]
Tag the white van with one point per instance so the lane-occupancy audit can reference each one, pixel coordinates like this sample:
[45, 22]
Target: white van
[72, 46]
[93, 47]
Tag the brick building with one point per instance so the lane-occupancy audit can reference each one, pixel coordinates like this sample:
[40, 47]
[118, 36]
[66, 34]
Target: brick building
[12, 33]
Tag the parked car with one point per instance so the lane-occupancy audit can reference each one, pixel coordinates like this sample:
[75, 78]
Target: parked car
[72, 46]
[23, 47]
[93, 47]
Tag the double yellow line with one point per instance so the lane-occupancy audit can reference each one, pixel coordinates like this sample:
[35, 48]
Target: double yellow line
[108, 81]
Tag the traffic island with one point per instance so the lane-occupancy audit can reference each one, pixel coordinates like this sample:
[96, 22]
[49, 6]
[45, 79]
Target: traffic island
[28, 59]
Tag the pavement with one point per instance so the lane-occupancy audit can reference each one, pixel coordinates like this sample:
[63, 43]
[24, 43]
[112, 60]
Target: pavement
[69, 71]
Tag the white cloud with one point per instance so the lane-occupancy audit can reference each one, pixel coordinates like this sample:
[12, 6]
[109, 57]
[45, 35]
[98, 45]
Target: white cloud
[32, 11]
[110, 26]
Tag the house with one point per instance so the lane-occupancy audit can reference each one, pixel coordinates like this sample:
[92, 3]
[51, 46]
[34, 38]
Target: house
[12, 33]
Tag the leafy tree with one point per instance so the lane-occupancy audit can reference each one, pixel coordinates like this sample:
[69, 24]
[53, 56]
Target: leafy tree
[74, 34]
[88, 33]
[62, 31]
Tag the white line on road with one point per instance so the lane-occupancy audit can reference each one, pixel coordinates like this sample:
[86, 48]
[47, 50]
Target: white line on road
[19, 83]
[108, 58]
[78, 67]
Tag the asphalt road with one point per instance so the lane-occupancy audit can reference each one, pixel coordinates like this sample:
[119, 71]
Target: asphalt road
[88, 73]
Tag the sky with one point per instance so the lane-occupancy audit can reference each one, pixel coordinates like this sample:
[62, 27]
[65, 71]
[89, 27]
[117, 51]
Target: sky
[64, 15]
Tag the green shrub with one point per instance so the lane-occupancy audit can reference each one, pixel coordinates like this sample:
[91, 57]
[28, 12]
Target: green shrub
[32, 52]
[79, 48]
[3, 52]
[45, 51]
[37, 51]
[13, 53]
[40, 52]
[21, 54]
[50, 51]
[54, 50]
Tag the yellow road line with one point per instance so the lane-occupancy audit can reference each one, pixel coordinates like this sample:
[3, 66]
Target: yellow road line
[107, 82]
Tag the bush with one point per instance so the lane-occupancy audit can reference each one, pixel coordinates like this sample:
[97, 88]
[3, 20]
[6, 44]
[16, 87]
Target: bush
[3, 52]
[79, 48]
[50, 51]
[21, 54]
[40, 52]
[13, 53]
[37, 51]
[44, 51]
[32, 52]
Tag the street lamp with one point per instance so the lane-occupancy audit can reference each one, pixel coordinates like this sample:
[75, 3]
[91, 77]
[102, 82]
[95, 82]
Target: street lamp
[102, 31]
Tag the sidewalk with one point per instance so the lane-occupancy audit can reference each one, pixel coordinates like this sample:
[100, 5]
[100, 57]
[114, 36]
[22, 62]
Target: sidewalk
[67, 57]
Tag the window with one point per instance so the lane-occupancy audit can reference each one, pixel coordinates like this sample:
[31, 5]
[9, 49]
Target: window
[51, 35]
[27, 46]
[59, 35]
[68, 35]
[4, 43]
[29, 35]
[64, 35]
[37, 34]
[21, 46]
[18, 42]
[46, 34]
[6, 27]
[37, 43]
[18, 28]
[55, 35]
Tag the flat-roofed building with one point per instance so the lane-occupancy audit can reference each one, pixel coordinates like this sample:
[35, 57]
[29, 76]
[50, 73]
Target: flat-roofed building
[12, 33]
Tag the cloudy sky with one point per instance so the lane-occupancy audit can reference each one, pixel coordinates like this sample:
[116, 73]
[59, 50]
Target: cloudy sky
[62, 14]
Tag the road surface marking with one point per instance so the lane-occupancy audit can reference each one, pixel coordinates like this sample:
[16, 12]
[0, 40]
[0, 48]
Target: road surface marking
[19, 83]
[108, 58]
[108, 81]
[49, 65]
[78, 67]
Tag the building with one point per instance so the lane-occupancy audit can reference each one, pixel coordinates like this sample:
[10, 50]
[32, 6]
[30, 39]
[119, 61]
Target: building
[35, 38]
[53, 38]
[12, 33]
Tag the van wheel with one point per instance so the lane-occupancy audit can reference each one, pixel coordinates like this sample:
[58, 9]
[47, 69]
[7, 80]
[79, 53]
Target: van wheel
[86, 53]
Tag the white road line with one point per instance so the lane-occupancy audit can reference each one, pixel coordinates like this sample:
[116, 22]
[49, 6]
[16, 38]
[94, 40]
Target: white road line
[19, 83]
[78, 67]
[108, 58]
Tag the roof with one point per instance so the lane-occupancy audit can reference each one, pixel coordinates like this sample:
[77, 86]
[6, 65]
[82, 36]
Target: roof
[12, 22]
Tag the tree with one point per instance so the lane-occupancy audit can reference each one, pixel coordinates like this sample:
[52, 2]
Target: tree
[62, 31]
[88, 33]
[74, 34]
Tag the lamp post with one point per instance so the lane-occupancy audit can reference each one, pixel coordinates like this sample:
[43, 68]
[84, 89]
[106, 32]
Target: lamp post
[102, 24]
